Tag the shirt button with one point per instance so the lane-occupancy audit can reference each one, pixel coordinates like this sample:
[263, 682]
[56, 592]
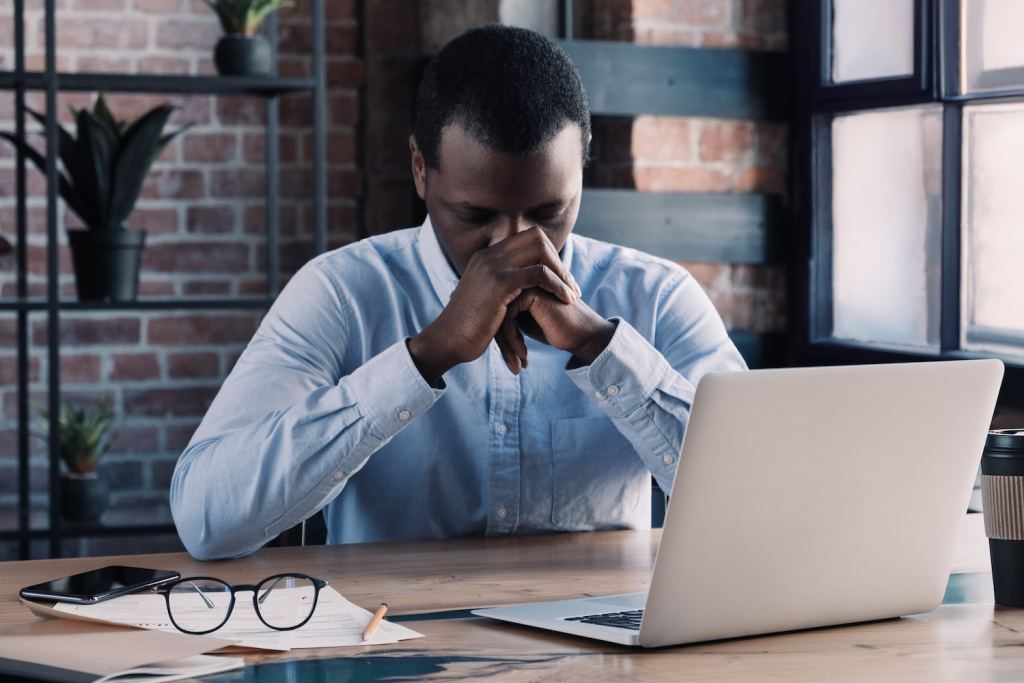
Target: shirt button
[613, 390]
[668, 459]
[502, 429]
[404, 415]
[339, 475]
[502, 512]
[598, 395]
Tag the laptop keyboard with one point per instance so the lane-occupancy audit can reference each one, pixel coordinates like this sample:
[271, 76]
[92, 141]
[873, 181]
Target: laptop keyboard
[630, 619]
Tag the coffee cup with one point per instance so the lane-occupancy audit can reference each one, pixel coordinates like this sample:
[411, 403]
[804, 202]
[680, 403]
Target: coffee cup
[1002, 499]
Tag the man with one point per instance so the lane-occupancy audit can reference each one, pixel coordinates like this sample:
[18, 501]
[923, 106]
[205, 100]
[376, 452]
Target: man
[485, 373]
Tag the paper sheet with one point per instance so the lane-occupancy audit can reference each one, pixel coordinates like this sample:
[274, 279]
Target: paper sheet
[335, 623]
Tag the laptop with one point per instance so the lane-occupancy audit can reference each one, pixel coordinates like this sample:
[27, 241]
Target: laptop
[804, 497]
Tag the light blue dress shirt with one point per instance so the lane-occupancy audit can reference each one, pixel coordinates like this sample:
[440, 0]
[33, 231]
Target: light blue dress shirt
[326, 408]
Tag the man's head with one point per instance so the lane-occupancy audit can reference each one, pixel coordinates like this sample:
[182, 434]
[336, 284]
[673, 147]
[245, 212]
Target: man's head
[501, 138]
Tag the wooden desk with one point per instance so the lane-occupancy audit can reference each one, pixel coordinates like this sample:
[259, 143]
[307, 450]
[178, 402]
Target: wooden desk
[966, 640]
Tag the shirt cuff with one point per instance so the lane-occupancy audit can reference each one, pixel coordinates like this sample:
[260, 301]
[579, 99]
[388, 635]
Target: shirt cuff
[391, 391]
[625, 374]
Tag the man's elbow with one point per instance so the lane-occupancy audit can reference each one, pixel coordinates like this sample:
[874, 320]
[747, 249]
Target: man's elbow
[203, 539]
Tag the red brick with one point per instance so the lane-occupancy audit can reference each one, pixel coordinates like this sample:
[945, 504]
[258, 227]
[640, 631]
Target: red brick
[134, 367]
[35, 184]
[91, 331]
[342, 109]
[344, 72]
[80, 32]
[177, 436]
[99, 5]
[178, 34]
[344, 182]
[170, 183]
[155, 288]
[186, 402]
[157, 6]
[764, 180]
[342, 39]
[136, 439]
[298, 111]
[391, 26]
[9, 369]
[155, 221]
[101, 64]
[296, 66]
[239, 181]
[661, 138]
[191, 330]
[193, 365]
[209, 220]
[294, 37]
[8, 332]
[255, 147]
[725, 141]
[241, 111]
[654, 179]
[37, 259]
[211, 147]
[196, 257]
[79, 368]
[164, 65]
[207, 287]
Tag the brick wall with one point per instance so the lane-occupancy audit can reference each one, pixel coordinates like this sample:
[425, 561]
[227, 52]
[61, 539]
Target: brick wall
[203, 210]
[690, 154]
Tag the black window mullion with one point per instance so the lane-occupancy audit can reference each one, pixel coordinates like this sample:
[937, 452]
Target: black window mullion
[952, 187]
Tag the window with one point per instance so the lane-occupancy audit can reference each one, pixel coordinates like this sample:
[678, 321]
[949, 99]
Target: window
[910, 136]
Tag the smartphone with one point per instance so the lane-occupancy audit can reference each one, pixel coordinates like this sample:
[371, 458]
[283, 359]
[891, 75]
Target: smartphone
[98, 585]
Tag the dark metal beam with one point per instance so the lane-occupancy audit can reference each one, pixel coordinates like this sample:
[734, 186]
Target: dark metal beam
[733, 228]
[624, 79]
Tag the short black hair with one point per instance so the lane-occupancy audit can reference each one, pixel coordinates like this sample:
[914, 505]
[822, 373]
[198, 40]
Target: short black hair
[511, 88]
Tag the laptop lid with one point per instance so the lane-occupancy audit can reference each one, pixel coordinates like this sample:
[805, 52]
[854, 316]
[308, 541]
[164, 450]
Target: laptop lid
[816, 496]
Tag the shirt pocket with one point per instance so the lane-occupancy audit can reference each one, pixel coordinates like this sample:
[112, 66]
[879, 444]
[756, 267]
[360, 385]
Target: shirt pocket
[598, 479]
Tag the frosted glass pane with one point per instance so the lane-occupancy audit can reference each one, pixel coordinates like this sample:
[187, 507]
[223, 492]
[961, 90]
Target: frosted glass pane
[886, 225]
[991, 45]
[993, 280]
[872, 39]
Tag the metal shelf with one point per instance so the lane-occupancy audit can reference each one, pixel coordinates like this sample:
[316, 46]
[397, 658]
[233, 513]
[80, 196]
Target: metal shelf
[260, 86]
[141, 304]
[51, 82]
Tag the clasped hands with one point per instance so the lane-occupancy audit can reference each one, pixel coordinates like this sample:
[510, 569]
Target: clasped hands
[515, 286]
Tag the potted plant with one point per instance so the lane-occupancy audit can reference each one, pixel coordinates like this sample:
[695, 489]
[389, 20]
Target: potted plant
[104, 169]
[83, 438]
[240, 52]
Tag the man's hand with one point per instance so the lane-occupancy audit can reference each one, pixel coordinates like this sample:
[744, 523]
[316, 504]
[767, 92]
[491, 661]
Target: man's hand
[493, 279]
[573, 327]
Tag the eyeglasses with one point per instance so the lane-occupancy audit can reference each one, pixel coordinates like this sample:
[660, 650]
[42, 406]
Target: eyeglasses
[202, 604]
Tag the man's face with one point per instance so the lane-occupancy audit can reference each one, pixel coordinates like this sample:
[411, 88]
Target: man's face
[479, 197]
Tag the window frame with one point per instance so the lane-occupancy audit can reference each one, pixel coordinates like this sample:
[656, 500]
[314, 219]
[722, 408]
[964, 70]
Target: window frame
[818, 101]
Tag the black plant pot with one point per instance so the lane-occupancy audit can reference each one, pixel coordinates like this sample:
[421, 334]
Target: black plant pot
[240, 55]
[106, 263]
[83, 497]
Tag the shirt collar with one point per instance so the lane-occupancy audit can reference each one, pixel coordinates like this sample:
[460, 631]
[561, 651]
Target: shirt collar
[442, 275]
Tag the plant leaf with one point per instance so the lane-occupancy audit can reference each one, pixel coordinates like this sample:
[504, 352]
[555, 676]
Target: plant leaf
[103, 114]
[140, 147]
[67, 190]
[98, 149]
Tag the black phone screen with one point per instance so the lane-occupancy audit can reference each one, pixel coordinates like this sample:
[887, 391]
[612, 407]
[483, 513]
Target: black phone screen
[98, 584]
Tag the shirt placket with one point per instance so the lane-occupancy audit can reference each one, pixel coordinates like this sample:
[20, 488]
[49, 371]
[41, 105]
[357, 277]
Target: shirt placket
[503, 427]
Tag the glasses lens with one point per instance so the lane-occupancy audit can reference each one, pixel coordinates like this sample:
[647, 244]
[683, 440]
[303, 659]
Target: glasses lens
[199, 605]
[285, 601]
